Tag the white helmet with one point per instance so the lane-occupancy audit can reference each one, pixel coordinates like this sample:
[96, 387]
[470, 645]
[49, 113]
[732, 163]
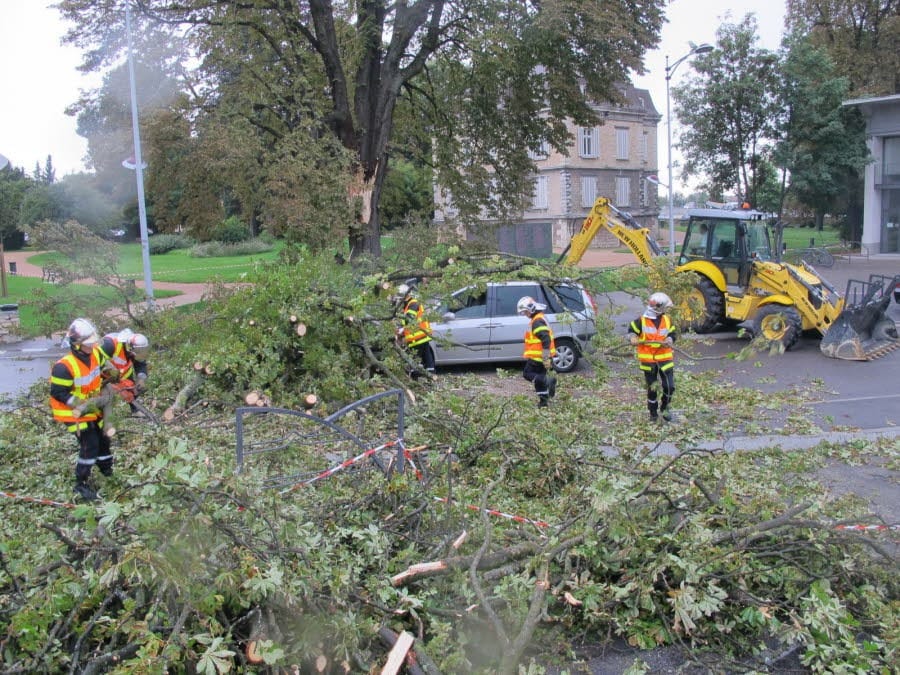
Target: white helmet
[139, 345]
[527, 306]
[407, 287]
[659, 303]
[82, 332]
[124, 335]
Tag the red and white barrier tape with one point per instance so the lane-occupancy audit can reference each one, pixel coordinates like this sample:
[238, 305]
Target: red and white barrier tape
[340, 467]
[500, 514]
[867, 528]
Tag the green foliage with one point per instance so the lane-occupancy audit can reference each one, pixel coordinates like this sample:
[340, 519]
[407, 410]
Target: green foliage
[231, 231]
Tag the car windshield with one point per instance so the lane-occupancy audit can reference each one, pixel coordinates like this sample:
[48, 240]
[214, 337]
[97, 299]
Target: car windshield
[571, 296]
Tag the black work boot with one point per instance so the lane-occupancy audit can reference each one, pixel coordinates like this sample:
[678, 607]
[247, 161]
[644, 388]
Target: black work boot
[543, 401]
[85, 491]
[106, 470]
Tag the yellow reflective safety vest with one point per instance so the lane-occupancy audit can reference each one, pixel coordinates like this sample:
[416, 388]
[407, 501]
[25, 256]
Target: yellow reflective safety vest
[85, 383]
[651, 350]
[119, 358]
[533, 347]
[416, 328]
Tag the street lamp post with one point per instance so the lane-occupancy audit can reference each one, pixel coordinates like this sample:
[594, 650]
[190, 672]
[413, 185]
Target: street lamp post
[139, 165]
[695, 49]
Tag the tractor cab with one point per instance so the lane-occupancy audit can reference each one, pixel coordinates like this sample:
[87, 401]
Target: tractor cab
[731, 240]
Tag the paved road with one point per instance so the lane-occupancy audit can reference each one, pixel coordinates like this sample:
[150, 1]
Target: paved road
[864, 394]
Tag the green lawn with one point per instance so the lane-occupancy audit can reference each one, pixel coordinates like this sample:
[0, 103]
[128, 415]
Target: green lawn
[179, 266]
[87, 297]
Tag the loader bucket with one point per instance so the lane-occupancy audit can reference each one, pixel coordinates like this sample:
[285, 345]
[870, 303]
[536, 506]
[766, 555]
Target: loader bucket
[862, 331]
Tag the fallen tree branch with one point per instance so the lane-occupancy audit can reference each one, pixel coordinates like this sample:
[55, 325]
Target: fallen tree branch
[757, 528]
[186, 393]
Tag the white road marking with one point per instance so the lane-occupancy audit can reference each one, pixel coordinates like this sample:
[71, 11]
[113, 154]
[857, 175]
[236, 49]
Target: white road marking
[855, 399]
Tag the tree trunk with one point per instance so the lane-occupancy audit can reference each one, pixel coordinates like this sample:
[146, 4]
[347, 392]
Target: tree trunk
[365, 238]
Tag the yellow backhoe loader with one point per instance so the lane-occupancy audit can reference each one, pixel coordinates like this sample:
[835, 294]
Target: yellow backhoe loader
[740, 281]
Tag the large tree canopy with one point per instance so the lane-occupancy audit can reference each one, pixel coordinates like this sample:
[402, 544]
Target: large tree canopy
[730, 111]
[315, 85]
[861, 36]
[822, 143]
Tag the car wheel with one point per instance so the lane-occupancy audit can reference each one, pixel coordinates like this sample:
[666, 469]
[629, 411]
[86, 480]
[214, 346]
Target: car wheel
[566, 356]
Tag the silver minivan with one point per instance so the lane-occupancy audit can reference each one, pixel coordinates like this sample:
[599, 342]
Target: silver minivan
[479, 324]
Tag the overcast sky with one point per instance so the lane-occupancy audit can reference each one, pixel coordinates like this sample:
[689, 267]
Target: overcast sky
[38, 79]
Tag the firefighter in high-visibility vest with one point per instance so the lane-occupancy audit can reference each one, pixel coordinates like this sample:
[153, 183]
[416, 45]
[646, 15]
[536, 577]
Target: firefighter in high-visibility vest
[77, 399]
[540, 348]
[129, 356]
[654, 336]
[415, 327]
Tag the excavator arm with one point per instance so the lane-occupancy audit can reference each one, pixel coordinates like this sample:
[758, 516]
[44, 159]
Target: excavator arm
[626, 229]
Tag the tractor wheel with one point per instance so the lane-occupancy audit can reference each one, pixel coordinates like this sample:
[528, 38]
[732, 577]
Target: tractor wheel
[711, 305]
[778, 323]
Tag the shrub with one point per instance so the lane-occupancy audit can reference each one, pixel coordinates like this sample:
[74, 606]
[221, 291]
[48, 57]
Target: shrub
[218, 249]
[163, 243]
[231, 231]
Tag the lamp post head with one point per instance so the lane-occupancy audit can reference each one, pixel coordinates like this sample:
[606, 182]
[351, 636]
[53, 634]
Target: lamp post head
[703, 48]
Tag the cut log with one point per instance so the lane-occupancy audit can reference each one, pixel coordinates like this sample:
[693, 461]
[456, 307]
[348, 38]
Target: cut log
[209, 370]
[252, 397]
[460, 539]
[300, 329]
[187, 392]
[198, 366]
[310, 400]
[398, 654]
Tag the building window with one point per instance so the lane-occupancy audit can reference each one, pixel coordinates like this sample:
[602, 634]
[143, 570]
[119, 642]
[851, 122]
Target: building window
[644, 146]
[589, 141]
[623, 191]
[891, 159]
[542, 152]
[588, 191]
[621, 143]
[539, 200]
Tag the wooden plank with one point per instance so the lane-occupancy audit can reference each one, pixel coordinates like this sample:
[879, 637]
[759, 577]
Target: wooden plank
[398, 654]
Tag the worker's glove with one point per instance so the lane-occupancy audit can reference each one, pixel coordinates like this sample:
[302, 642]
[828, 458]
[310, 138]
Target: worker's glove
[668, 342]
[140, 382]
[634, 340]
[110, 373]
